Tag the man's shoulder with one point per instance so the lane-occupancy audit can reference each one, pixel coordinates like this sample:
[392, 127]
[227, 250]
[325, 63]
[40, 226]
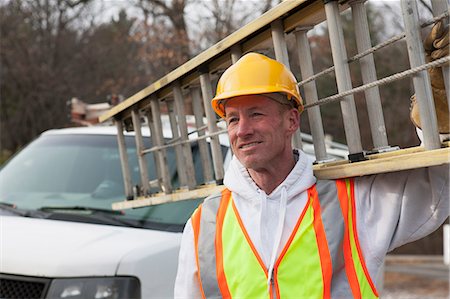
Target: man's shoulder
[325, 183]
[214, 199]
[330, 185]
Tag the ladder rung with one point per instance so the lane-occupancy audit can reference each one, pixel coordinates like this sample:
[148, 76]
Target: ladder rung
[157, 148]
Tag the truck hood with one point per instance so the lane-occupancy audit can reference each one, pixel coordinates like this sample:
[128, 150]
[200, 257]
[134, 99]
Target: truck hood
[53, 248]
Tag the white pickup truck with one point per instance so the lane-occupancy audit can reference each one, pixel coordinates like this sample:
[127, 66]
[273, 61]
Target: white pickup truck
[59, 236]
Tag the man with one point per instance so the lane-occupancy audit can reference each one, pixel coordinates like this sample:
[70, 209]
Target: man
[278, 232]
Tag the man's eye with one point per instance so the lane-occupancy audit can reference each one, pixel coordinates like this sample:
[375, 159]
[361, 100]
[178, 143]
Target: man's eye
[231, 120]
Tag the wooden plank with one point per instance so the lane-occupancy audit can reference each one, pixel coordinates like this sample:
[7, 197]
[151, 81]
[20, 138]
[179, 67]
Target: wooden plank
[309, 15]
[165, 198]
[382, 163]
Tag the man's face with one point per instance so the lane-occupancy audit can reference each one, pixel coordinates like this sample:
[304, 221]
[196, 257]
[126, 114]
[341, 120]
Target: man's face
[260, 130]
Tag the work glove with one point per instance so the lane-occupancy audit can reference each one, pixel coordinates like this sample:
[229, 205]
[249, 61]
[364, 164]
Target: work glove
[436, 46]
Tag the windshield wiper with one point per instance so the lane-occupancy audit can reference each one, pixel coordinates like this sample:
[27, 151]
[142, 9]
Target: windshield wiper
[13, 209]
[88, 210]
[105, 215]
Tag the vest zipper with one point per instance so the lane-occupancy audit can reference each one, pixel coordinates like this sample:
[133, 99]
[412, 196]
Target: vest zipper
[273, 294]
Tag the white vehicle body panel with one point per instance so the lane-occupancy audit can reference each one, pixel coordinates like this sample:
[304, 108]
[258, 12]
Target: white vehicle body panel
[57, 249]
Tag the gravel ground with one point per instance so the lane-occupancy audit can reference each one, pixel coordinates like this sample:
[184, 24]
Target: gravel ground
[415, 278]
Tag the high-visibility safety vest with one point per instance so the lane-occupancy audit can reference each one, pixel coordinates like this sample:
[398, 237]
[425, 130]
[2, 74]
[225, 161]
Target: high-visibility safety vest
[322, 244]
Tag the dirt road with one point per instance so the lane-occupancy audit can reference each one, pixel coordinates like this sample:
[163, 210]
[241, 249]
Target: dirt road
[415, 277]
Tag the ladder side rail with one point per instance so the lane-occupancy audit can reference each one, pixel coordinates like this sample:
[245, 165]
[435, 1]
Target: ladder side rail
[202, 144]
[439, 7]
[181, 169]
[182, 126]
[154, 116]
[281, 54]
[216, 150]
[153, 138]
[421, 80]
[128, 185]
[314, 116]
[143, 171]
[368, 74]
[339, 53]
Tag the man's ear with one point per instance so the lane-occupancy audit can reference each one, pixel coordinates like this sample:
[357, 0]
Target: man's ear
[293, 118]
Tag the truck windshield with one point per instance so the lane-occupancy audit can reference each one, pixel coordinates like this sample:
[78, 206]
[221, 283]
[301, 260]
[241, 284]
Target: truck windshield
[84, 170]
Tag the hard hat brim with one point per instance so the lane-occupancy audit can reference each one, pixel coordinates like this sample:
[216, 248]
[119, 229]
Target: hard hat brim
[217, 102]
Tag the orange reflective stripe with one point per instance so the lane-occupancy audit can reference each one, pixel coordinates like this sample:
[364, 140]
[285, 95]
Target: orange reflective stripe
[322, 243]
[226, 196]
[360, 254]
[195, 220]
[349, 266]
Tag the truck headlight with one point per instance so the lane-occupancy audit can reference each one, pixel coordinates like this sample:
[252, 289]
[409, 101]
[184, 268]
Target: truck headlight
[95, 287]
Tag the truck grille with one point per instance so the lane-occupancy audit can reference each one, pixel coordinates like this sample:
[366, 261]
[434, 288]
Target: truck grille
[12, 287]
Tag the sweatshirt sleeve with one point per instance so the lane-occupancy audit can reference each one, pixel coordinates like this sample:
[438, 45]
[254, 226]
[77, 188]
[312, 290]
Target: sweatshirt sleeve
[186, 283]
[400, 207]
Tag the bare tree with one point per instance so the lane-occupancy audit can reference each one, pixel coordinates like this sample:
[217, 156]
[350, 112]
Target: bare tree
[222, 17]
[165, 21]
[36, 36]
[46, 60]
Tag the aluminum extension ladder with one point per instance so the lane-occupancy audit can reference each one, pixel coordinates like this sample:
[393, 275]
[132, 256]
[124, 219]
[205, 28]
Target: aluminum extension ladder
[195, 79]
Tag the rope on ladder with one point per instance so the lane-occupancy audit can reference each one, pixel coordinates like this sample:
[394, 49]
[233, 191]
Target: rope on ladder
[373, 49]
[397, 76]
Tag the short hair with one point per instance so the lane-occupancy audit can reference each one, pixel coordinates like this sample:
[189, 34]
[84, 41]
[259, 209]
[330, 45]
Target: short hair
[280, 98]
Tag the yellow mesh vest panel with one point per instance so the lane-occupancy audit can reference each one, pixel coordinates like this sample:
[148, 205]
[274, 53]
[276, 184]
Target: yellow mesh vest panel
[300, 271]
[245, 276]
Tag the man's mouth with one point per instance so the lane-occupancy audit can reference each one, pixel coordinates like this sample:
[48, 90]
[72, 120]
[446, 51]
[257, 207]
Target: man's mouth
[249, 145]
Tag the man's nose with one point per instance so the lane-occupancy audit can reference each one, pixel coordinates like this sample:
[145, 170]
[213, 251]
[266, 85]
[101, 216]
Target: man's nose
[244, 127]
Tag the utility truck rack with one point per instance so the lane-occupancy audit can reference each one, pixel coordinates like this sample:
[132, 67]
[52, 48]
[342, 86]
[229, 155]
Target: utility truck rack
[194, 80]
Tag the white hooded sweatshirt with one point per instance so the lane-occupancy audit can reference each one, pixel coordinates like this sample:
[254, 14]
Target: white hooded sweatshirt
[392, 209]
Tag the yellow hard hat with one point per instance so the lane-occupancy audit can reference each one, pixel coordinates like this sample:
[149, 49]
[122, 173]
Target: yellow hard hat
[255, 73]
